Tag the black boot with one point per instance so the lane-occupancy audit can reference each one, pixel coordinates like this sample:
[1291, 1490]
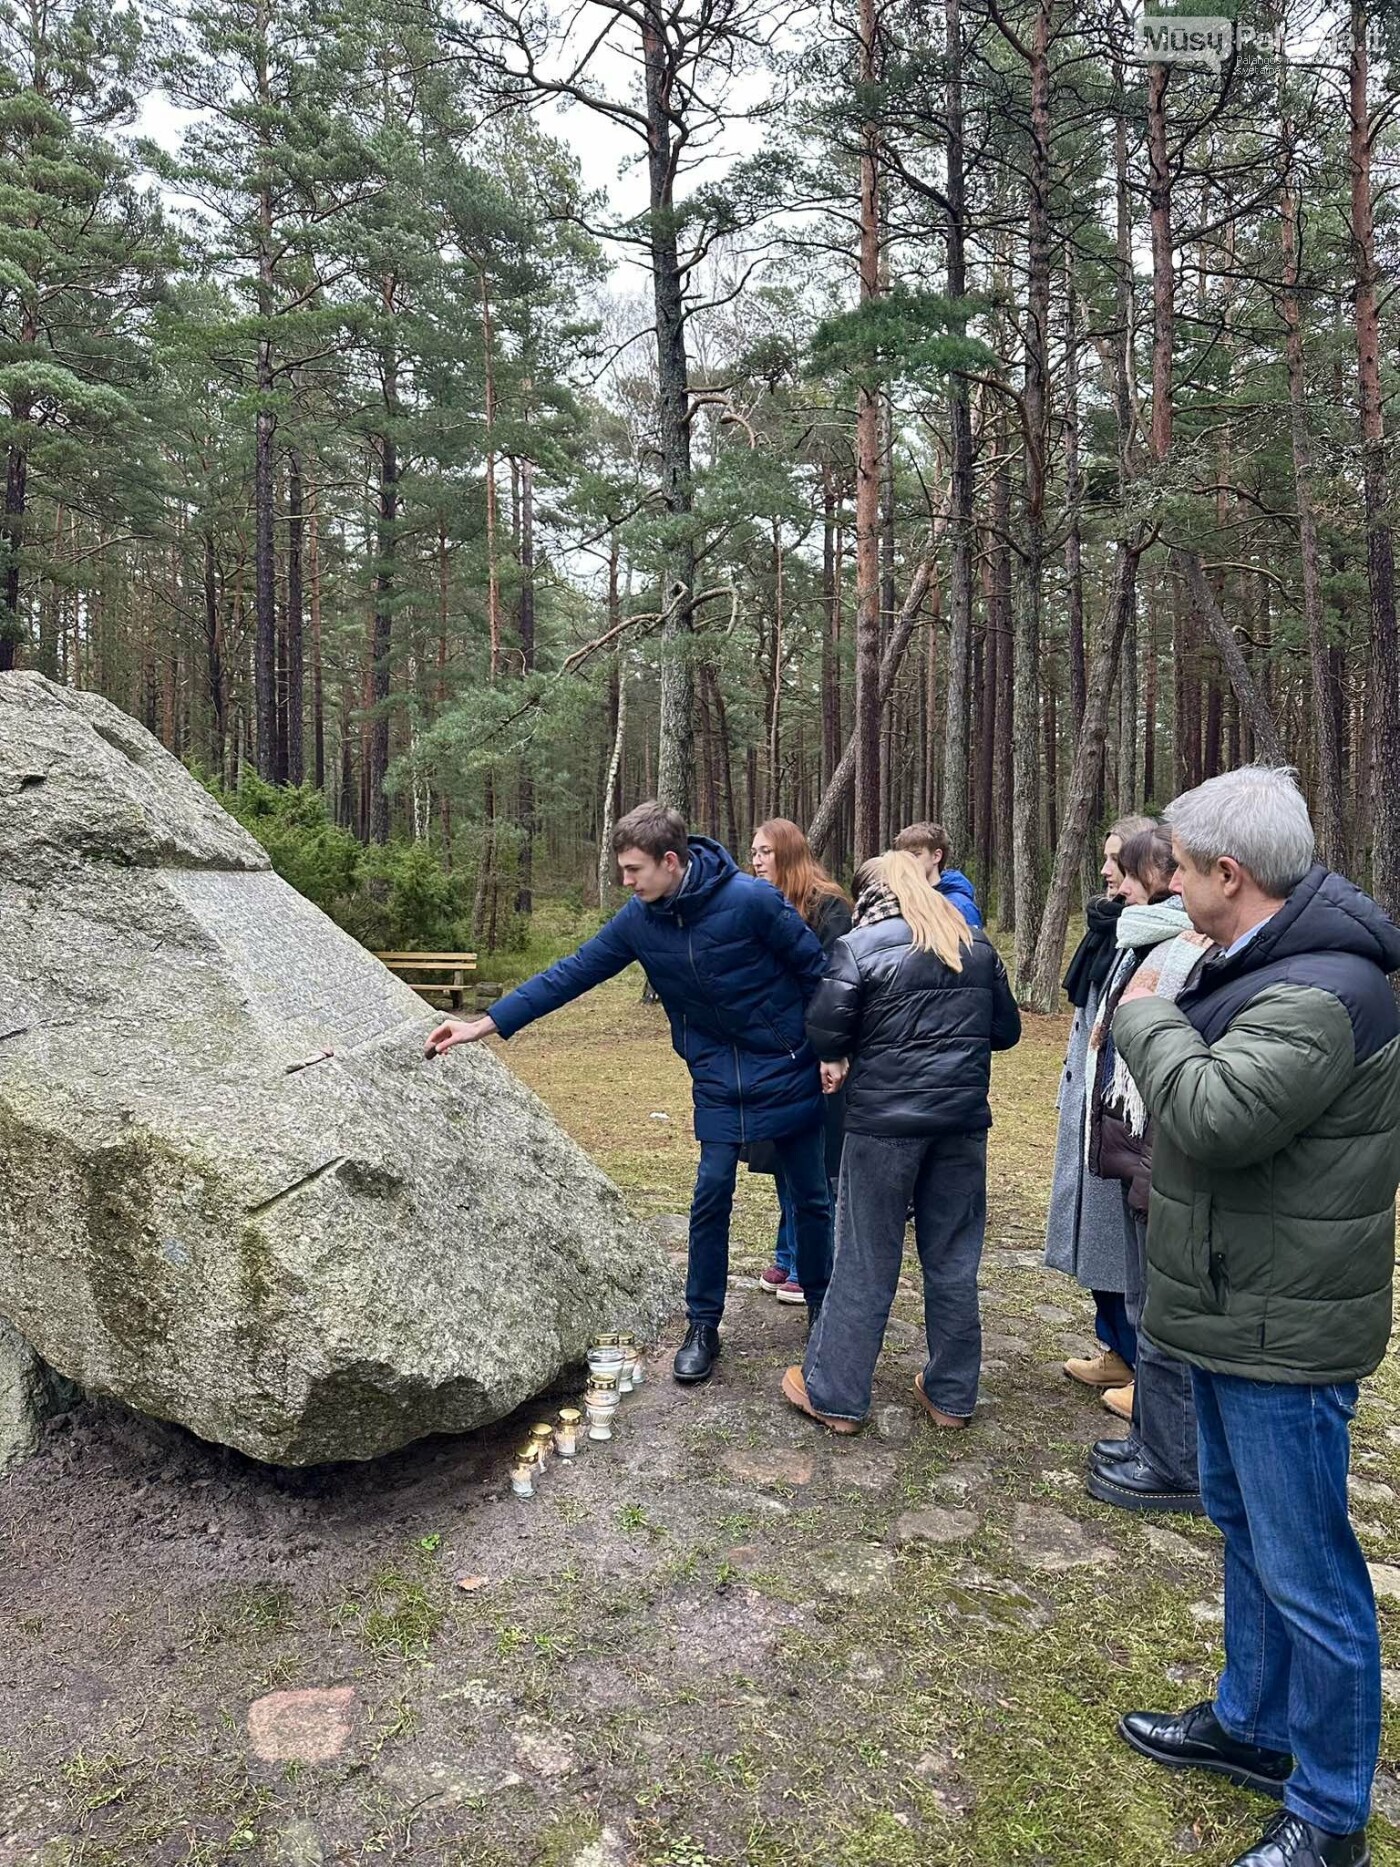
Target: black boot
[1136, 1484]
[1195, 1740]
[1289, 1841]
[696, 1356]
[1112, 1451]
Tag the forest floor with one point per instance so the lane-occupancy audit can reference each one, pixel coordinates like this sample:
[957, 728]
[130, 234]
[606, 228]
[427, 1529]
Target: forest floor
[726, 1637]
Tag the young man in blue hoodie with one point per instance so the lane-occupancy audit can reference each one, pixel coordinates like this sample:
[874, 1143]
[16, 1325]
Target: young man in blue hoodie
[734, 966]
[929, 842]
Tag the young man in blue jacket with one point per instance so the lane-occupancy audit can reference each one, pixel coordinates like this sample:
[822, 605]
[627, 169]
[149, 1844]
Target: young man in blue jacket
[929, 843]
[734, 965]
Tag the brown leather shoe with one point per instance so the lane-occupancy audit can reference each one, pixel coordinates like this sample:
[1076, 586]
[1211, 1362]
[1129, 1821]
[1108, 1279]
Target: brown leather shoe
[1106, 1369]
[795, 1390]
[950, 1422]
[1119, 1400]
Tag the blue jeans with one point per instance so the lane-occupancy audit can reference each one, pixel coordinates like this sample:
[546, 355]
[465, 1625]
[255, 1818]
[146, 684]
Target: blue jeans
[785, 1251]
[1302, 1651]
[801, 1163]
[1112, 1325]
[946, 1178]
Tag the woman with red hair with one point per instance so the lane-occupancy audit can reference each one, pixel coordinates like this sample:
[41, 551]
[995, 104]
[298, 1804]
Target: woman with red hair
[782, 855]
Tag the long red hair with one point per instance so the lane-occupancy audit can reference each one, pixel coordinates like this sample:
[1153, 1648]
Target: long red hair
[797, 873]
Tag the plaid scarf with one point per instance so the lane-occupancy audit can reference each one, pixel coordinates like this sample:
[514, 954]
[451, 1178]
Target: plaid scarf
[876, 903]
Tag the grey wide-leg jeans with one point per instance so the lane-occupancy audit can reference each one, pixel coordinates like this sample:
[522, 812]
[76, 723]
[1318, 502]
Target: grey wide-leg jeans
[945, 1178]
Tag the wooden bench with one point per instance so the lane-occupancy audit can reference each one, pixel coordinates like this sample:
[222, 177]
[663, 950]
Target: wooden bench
[455, 967]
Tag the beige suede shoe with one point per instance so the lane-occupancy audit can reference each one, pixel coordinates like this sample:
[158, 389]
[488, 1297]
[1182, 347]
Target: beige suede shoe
[1106, 1369]
[795, 1393]
[1119, 1400]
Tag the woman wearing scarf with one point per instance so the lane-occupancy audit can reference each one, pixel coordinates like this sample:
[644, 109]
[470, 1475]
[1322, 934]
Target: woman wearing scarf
[915, 1002]
[1084, 1232]
[1154, 1467]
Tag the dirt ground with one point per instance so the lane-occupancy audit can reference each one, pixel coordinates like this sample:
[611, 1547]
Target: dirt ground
[725, 1637]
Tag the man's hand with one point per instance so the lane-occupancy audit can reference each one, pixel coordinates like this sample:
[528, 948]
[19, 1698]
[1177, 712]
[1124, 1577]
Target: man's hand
[833, 1075]
[1143, 984]
[458, 1031]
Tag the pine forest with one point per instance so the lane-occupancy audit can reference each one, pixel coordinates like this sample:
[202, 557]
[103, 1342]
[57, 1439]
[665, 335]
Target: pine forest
[446, 423]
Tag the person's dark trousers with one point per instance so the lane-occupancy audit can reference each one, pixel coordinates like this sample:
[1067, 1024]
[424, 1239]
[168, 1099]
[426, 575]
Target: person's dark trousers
[1112, 1327]
[785, 1251]
[1164, 1404]
[801, 1160]
[946, 1177]
[1302, 1651]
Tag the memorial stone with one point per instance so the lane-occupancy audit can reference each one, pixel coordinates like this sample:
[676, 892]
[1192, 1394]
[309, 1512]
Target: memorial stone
[306, 1263]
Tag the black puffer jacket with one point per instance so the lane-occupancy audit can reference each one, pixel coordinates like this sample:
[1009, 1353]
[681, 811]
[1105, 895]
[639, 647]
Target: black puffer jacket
[919, 1035]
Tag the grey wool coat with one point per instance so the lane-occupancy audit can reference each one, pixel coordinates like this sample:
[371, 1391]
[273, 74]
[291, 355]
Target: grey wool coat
[1086, 1234]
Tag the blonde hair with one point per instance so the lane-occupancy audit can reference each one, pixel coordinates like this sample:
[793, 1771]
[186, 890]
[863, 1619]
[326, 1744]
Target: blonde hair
[936, 925]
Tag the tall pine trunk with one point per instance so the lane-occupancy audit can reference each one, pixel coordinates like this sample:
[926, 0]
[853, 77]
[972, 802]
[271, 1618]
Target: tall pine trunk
[525, 787]
[960, 517]
[385, 587]
[677, 749]
[1380, 549]
[296, 600]
[867, 732]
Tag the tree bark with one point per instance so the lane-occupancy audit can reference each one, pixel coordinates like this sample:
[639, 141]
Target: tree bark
[960, 515]
[214, 658]
[1327, 777]
[605, 854]
[382, 637]
[868, 702]
[267, 757]
[677, 749]
[295, 647]
[1026, 774]
[1043, 982]
[842, 779]
[318, 680]
[525, 790]
[1074, 493]
[1252, 701]
[1380, 549]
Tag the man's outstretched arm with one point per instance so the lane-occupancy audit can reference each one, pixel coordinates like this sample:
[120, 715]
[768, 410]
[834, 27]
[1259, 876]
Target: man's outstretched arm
[600, 958]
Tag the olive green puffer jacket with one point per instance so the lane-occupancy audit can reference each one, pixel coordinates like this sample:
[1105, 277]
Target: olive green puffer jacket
[1274, 1089]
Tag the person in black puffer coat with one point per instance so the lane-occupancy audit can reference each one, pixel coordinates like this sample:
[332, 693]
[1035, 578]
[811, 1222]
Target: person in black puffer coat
[916, 1001]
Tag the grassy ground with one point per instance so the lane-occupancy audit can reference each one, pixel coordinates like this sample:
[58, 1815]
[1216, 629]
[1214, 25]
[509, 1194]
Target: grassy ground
[725, 1638]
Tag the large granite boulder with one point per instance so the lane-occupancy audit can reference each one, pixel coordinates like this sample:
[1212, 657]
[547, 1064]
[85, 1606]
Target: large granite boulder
[305, 1263]
[29, 1393]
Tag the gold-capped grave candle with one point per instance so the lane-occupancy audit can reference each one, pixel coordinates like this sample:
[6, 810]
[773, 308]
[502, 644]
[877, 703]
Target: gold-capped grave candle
[522, 1473]
[600, 1401]
[566, 1432]
[605, 1362]
[630, 1361]
[542, 1438]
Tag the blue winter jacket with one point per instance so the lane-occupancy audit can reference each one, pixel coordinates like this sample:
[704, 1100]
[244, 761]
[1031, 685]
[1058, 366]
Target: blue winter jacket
[734, 965]
[954, 886]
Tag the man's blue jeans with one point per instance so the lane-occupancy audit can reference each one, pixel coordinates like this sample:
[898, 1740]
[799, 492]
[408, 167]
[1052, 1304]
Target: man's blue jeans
[802, 1164]
[1302, 1651]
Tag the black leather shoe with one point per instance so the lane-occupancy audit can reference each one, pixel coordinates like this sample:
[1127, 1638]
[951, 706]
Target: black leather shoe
[696, 1356]
[1113, 1451]
[1194, 1740]
[1289, 1841]
[1136, 1484]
